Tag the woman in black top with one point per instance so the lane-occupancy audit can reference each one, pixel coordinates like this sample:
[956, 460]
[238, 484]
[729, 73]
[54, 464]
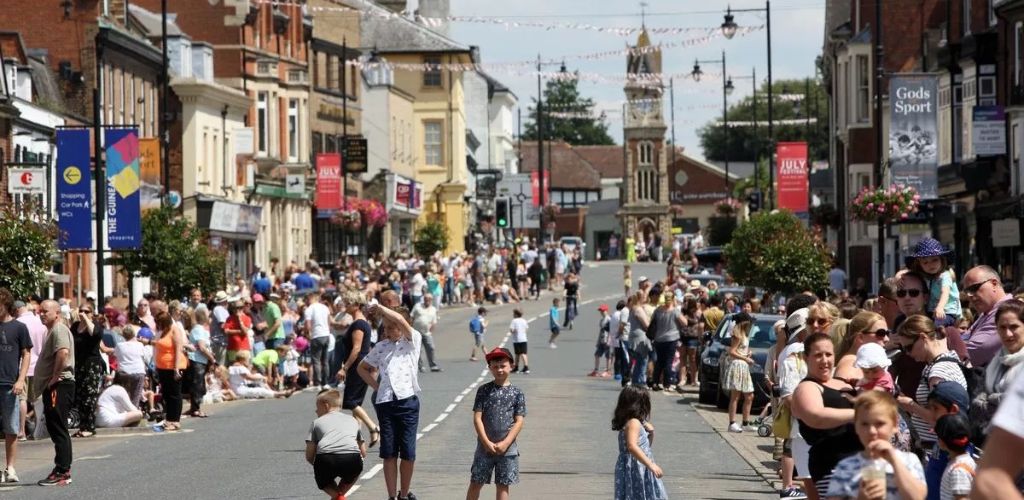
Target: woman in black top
[356, 342]
[572, 294]
[89, 368]
[824, 411]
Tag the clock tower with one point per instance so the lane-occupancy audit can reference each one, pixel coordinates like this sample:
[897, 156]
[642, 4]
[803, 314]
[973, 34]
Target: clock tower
[645, 206]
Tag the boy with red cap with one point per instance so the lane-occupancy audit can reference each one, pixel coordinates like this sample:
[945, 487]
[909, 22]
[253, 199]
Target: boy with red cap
[498, 413]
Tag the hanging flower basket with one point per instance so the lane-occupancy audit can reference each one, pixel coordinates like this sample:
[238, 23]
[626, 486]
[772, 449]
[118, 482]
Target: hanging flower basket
[728, 207]
[887, 205]
[372, 211]
[349, 219]
[550, 211]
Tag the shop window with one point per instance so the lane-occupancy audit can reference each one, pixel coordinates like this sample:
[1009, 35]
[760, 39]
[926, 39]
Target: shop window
[262, 123]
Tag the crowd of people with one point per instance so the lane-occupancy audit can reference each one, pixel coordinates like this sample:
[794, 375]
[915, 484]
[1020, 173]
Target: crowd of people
[357, 326]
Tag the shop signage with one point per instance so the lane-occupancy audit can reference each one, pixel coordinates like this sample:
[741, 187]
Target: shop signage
[295, 184]
[1006, 233]
[235, 218]
[402, 193]
[150, 182]
[913, 137]
[988, 130]
[328, 181]
[355, 154]
[26, 180]
[124, 227]
[74, 199]
[792, 176]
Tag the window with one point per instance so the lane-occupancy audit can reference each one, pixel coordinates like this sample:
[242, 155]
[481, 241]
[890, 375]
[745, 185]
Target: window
[333, 72]
[863, 89]
[1015, 139]
[966, 18]
[262, 122]
[992, 19]
[647, 184]
[1018, 53]
[987, 91]
[958, 99]
[293, 130]
[432, 152]
[844, 109]
[123, 96]
[432, 76]
[646, 153]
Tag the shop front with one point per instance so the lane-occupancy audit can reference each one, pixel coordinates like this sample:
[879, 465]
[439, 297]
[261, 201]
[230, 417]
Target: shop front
[233, 228]
[404, 203]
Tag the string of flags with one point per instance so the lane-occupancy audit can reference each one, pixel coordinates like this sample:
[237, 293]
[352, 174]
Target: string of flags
[794, 121]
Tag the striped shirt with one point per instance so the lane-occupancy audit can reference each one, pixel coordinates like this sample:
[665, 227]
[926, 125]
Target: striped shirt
[946, 371]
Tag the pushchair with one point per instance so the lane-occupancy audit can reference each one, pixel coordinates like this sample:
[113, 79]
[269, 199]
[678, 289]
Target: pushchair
[766, 420]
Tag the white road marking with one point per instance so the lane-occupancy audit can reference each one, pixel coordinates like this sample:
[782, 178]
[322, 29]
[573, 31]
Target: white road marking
[95, 457]
[463, 393]
[440, 418]
[419, 435]
[429, 428]
[372, 472]
[352, 490]
[449, 408]
[458, 399]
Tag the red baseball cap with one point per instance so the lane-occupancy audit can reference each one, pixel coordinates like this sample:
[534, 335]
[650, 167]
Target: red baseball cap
[602, 307]
[498, 353]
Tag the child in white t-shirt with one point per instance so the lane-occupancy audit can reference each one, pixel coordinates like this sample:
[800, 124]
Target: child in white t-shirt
[953, 431]
[518, 329]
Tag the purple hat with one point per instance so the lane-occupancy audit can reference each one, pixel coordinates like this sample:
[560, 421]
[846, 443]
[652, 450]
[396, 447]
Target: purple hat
[929, 247]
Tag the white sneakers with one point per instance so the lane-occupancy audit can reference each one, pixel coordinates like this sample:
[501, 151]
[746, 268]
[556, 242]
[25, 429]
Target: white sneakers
[552, 345]
[9, 476]
[734, 427]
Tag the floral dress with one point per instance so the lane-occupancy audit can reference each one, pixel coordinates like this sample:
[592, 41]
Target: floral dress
[633, 480]
[737, 376]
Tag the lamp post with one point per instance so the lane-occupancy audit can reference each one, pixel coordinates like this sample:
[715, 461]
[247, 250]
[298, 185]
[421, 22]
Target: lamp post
[729, 28]
[757, 141]
[727, 89]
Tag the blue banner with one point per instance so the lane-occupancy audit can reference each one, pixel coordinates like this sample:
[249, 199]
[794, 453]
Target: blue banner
[124, 227]
[74, 196]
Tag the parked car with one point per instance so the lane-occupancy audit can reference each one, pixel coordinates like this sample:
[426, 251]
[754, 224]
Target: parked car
[709, 256]
[716, 355]
[571, 242]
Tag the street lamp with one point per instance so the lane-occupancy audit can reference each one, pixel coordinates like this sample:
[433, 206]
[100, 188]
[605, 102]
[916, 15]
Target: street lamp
[726, 90]
[756, 141]
[729, 28]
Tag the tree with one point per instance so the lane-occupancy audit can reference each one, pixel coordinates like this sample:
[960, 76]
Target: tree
[431, 238]
[27, 249]
[568, 116]
[776, 252]
[175, 254]
[748, 144]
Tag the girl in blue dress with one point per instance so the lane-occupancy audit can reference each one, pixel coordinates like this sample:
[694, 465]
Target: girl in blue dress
[637, 477]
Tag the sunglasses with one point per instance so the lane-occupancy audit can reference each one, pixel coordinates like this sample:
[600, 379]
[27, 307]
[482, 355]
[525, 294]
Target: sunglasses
[818, 321]
[880, 333]
[973, 289]
[905, 349]
[912, 292]
[84, 311]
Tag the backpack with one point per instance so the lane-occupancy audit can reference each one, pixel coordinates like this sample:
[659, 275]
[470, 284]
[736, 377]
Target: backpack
[475, 326]
[975, 377]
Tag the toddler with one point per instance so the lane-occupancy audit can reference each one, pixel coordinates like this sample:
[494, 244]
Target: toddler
[553, 323]
[931, 259]
[873, 361]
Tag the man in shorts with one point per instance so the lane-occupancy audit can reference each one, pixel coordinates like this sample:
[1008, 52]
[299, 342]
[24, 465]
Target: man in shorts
[15, 354]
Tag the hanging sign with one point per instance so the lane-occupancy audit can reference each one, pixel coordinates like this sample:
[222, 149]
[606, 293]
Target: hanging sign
[355, 154]
[792, 176]
[988, 130]
[26, 180]
[150, 182]
[328, 181]
[913, 137]
[74, 199]
[535, 187]
[124, 227]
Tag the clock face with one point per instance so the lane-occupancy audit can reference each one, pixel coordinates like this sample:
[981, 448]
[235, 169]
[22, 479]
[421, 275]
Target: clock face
[645, 109]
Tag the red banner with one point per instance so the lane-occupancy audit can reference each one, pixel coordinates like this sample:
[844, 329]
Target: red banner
[792, 176]
[535, 185]
[402, 193]
[328, 181]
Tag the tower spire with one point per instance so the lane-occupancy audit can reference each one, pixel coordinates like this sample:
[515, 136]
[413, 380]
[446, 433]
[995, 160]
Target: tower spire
[643, 15]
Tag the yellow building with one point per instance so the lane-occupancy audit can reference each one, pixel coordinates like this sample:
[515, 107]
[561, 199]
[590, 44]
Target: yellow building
[439, 121]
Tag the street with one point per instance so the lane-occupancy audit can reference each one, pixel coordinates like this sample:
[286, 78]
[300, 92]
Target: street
[254, 449]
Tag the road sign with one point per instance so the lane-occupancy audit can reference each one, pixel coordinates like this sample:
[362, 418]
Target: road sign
[26, 180]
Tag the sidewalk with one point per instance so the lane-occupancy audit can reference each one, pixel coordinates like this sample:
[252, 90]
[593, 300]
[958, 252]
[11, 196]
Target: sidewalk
[755, 450]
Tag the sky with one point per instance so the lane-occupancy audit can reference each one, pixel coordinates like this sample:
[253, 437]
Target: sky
[797, 31]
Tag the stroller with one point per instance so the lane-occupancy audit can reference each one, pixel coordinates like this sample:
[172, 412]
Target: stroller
[766, 420]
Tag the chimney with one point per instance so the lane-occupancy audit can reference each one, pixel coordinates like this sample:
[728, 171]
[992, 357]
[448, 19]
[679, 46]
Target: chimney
[438, 11]
[393, 5]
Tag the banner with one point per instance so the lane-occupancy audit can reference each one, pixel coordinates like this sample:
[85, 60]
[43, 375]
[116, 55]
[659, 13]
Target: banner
[124, 227]
[913, 137]
[535, 187]
[792, 176]
[24, 181]
[328, 181]
[150, 182]
[74, 199]
[988, 130]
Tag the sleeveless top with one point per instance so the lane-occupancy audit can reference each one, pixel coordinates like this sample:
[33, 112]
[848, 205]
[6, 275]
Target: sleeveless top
[164, 354]
[829, 446]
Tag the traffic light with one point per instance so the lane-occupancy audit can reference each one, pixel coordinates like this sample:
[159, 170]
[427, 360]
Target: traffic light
[754, 202]
[502, 212]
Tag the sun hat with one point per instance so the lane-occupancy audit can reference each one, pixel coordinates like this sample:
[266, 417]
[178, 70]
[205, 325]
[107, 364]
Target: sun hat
[694, 283]
[872, 356]
[797, 321]
[929, 247]
[498, 353]
[642, 279]
[221, 296]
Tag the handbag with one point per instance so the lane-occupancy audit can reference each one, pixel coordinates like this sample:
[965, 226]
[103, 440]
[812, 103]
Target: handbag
[652, 330]
[782, 425]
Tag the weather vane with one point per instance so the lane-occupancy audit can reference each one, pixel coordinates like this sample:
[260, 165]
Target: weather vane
[643, 14]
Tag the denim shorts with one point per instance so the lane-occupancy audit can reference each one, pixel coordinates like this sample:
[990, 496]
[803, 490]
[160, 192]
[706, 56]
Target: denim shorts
[478, 339]
[690, 342]
[10, 411]
[505, 469]
[399, 421]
